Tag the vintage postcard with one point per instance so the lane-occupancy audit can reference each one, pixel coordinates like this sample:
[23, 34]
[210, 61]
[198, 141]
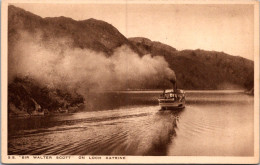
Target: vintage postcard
[127, 81]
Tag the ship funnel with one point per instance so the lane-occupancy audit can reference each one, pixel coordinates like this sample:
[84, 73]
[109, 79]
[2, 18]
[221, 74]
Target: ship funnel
[170, 76]
[174, 84]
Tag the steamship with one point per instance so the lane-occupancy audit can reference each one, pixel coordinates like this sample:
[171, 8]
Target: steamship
[172, 99]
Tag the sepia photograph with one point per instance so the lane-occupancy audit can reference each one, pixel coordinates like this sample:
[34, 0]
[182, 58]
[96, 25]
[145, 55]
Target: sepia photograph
[130, 81]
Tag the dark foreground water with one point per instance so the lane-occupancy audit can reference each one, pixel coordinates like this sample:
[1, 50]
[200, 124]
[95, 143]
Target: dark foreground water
[214, 123]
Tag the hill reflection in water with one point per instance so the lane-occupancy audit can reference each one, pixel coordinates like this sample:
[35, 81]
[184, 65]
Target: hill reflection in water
[131, 123]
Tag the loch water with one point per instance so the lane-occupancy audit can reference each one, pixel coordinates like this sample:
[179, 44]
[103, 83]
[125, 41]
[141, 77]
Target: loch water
[213, 123]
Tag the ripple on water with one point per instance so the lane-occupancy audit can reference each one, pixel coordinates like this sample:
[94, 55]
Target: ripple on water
[211, 124]
[139, 131]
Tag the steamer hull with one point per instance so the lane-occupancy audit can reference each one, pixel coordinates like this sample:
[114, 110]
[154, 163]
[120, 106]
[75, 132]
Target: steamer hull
[172, 100]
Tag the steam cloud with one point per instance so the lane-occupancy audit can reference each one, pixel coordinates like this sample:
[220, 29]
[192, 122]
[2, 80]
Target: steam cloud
[56, 63]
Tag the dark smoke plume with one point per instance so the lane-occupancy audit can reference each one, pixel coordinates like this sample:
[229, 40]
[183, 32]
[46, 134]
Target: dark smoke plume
[57, 64]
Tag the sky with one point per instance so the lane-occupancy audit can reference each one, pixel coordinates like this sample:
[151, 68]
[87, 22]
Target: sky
[226, 28]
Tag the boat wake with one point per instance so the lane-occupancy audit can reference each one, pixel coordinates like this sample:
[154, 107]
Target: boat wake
[137, 131]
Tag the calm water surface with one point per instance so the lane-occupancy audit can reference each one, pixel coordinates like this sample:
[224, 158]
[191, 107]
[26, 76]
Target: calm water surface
[215, 123]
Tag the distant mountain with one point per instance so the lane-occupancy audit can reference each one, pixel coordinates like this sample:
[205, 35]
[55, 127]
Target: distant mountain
[195, 69]
[200, 69]
[91, 33]
[146, 46]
